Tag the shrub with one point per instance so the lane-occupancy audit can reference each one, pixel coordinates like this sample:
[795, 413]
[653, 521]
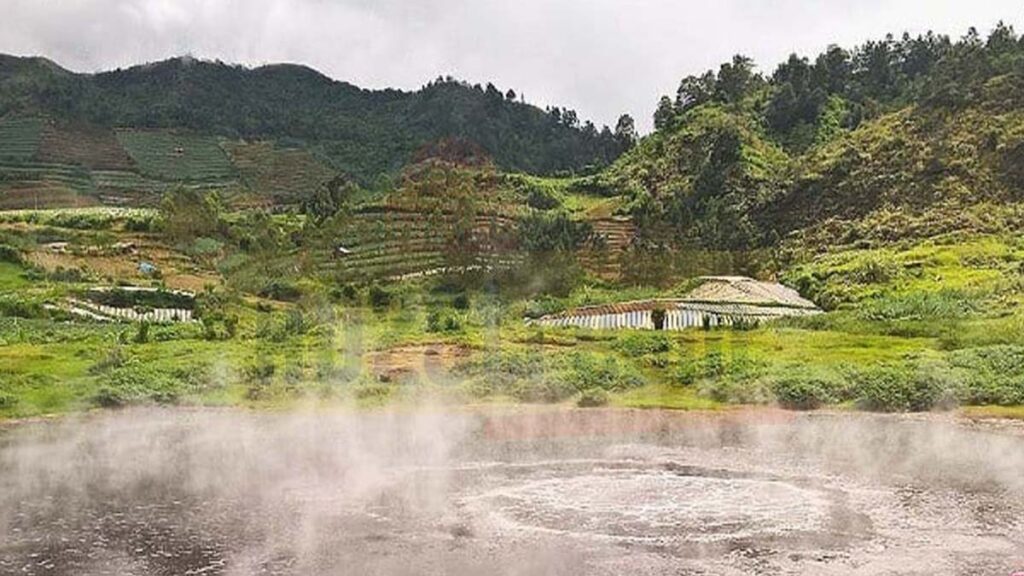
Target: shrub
[15, 307]
[991, 374]
[593, 398]
[548, 388]
[945, 305]
[594, 371]
[801, 391]
[7, 400]
[461, 301]
[637, 344]
[281, 291]
[258, 377]
[441, 321]
[379, 298]
[371, 390]
[142, 333]
[687, 373]
[736, 390]
[135, 381]
[896, 389]
[11, 254]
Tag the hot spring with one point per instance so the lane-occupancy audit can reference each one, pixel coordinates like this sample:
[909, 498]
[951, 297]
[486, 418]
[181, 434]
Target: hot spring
[518, 491]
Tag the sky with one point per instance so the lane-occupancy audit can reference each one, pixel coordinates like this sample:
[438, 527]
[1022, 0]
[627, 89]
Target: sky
[599, 57]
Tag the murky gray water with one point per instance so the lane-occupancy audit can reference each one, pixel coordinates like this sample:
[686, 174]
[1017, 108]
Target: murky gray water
[514, 492]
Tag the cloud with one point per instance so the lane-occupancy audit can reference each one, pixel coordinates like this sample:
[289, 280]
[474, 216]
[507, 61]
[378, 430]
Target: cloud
[601, 57]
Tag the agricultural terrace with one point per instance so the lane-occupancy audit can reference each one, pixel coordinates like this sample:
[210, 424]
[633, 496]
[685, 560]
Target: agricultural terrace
[19, 138]
[177, 157]
[280, 175]
[93, 147]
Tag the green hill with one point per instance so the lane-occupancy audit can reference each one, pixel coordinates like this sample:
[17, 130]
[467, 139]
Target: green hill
[363, 133]
[896, 139]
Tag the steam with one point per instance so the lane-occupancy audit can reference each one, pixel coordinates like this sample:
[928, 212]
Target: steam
[506, 491]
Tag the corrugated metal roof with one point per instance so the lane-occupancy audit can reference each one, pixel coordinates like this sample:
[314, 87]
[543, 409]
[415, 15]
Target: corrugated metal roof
[725, 295]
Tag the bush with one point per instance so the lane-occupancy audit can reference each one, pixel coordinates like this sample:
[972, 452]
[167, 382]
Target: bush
[135, 381]
[991, 374]
[258, 377]
[736, 390]
[594, 371]
[896, 389]
[548, 388]
[440, 321]
[945, 305]
[804, 391]
[533, 377]
[7, 400]
[593, 398]
[11, 254]
[372, 391]
[636, 344]
[379, 298]
[281, 291]
[541, 200]
[15, 307]
[142, 333]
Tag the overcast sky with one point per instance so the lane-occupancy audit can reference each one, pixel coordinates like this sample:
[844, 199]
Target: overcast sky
[601, 57]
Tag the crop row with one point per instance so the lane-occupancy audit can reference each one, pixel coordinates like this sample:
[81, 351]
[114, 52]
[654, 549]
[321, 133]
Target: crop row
[19, 138]
[177, 157]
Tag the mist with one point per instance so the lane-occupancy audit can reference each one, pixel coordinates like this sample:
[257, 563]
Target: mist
[433, 490]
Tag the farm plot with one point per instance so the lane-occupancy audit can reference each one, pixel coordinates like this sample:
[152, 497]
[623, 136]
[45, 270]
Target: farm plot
[287, 175]
[19, 138]
[613, 237]
[26, 184]
[89, 146]
[177, 157]
[394, 244]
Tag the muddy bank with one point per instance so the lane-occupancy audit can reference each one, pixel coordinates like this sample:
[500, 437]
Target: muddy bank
[511, 491]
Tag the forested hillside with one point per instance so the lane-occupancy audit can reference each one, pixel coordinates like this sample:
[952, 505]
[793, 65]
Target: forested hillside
[894, 139]
[361, 133]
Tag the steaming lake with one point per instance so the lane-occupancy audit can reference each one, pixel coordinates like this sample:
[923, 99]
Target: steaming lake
[517, 492]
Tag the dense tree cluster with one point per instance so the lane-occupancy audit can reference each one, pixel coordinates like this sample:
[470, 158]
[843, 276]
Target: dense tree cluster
[803, 101]
[896, 126]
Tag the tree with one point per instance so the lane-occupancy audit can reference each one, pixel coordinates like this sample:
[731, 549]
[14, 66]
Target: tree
[570, 119]
[329, 198]
[735, 79]
[832, 70]
[188, 214]
[695, 90]
[665, 114]
[625, 132]
[510, 95]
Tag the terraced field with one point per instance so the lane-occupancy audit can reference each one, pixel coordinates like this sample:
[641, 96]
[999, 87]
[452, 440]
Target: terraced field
[177, 157]
[89, 146]
[285, 175]
[614, 237]
[391, 244]
[19, 138]
[27, 184]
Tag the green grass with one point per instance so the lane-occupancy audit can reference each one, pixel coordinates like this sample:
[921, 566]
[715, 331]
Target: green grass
[12, 277]
[1007, 412]
[665, 396]
[919, 324]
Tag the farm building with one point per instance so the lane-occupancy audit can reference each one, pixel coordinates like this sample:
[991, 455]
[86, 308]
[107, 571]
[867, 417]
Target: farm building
[717, 301]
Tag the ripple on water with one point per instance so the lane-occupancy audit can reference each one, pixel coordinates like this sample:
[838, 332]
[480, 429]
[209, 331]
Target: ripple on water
[663, 506]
